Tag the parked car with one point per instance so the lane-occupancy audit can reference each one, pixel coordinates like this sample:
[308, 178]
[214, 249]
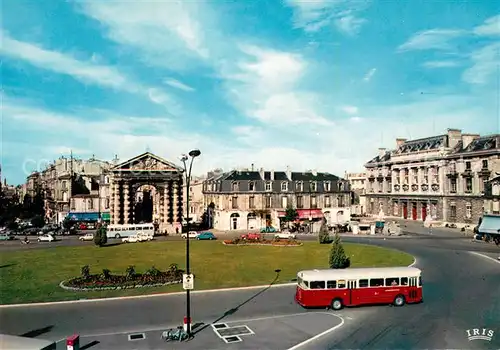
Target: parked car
[131, 239]
[82, 226]
[87, 237]
[285, 235]
[206, 236]
[6, 237]
[143, 237]
[191, 234]
[46, 238]
[268, 229]
[251, 236]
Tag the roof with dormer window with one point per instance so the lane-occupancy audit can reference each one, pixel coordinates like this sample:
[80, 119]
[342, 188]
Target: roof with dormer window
[245, 175]
[484, 143]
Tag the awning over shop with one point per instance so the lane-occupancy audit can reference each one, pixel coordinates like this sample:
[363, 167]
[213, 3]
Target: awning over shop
[89, 216]
[305, 214]
[490, 224]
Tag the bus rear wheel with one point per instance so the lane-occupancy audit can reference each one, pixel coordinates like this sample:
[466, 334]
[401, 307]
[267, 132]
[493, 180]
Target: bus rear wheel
[399, 300]
[117, 236]
[336, 304]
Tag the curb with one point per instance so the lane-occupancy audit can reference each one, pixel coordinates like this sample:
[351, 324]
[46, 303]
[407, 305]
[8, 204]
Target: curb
[485, 257]
[96, 300]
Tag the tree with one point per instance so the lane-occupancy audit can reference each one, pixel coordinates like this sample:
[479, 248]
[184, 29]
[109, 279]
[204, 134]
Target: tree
[38, 221]
[290, 214]
[338, 259]
[100, 237]
[324, 235]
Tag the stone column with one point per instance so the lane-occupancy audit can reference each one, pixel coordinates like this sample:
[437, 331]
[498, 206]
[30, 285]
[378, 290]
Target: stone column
[116, 201]
[126, 203]
[161, 199]
[175, 200]
[166, 204]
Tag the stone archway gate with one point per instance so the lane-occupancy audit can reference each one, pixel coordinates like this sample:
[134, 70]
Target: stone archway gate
[147, 168]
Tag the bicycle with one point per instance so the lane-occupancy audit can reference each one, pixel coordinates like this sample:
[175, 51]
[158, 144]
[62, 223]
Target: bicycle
[175, 334]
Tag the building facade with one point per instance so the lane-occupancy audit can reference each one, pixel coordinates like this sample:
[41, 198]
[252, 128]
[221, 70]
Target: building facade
[440, 178]
[357, 182]
[196, 201]
[250, 200]
[492, 196]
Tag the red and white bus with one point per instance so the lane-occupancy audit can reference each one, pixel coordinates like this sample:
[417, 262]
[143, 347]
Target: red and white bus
[337, 288]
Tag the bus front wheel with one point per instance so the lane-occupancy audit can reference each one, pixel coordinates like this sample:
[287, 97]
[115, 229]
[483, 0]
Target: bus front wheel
[399, 300]
[336, 304]
[117, 236]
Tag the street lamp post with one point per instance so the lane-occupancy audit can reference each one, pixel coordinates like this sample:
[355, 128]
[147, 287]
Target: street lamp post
[187, 173]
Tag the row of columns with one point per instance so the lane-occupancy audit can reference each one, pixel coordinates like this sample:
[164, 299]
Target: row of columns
[126, 212]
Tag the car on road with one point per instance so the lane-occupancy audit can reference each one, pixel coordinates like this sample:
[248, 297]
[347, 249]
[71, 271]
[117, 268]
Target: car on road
[6, 237]
[87, 237]
[285, 235]
[131, 239]
[268, 229]
[251, 236]
[143, 236]
[206, 236]
[191, 234]
[46, 238]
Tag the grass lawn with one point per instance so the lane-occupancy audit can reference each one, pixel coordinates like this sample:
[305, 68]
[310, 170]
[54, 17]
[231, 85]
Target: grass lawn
[34, 275]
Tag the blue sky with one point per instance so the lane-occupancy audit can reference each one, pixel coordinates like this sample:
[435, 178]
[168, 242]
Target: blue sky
[309, 84]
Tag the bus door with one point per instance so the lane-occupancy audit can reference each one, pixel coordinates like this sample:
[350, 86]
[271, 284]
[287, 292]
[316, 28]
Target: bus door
[413, 290]
[353, 296]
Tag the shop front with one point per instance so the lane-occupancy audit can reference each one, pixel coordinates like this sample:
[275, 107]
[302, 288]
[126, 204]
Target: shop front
[88, 216]
[307, 220]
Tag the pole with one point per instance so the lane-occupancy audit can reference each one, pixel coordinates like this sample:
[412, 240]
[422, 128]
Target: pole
[188, 294]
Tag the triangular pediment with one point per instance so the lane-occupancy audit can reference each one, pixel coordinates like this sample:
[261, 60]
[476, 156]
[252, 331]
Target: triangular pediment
[147, 162]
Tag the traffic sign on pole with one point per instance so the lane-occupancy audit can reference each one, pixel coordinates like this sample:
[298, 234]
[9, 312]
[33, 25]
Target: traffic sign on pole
[188, 281]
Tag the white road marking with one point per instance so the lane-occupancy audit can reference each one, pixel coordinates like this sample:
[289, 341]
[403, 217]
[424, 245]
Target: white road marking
[148, 296]
[485, 256]
[413, 263]
[310, 340]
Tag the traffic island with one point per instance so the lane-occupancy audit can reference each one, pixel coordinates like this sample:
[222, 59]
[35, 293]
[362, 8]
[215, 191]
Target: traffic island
[36, 277]
[263, 242]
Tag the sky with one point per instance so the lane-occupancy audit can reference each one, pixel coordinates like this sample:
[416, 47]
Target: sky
[306, 84]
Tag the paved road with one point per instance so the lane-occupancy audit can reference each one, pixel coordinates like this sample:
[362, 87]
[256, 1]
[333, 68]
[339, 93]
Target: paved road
[460, 290]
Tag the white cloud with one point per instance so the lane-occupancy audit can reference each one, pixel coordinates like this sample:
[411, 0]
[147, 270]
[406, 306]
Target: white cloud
[178, 85]
[167, 33]
[441, 64]
[356, 119]
[485, 63]
[315, 15]
[370, 74]
[350, 109]
[88, 72]
[490, 27]
[434, 39]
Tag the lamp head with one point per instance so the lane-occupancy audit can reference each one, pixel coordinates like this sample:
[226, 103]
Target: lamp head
[194, 153]
[183, 157]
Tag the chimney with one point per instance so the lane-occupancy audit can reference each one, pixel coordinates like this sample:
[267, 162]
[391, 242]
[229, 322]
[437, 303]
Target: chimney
[252, 167]
[381, 152]
[289, 173]
[454, 136]
[399, 142]
[261, 173]
[272, 175]
[468, 138]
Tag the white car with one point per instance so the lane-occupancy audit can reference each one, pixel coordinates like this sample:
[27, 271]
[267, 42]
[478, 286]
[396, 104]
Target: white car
[143, 237]
[285, 235]
[191, 234]
[87, 237]
[131, 239]
[46, 238]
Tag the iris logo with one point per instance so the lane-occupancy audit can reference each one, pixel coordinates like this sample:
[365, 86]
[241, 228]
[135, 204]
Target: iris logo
[480, 334]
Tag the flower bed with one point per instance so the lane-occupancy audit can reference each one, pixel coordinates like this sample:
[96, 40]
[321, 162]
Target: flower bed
[268, 242]
[106, 281]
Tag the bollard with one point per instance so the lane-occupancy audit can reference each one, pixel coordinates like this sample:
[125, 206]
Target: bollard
[186, 325]
[73, 342]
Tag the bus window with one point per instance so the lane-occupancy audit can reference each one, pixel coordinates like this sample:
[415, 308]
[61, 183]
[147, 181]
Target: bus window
[392, 281]
[111, 229]
[404, 281]
[317, 285]
[376, 282]
[341, 284]
[420, 281]
[363, 283]
[331, 284]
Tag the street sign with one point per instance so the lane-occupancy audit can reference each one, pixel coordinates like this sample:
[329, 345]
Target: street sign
[188, 281]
